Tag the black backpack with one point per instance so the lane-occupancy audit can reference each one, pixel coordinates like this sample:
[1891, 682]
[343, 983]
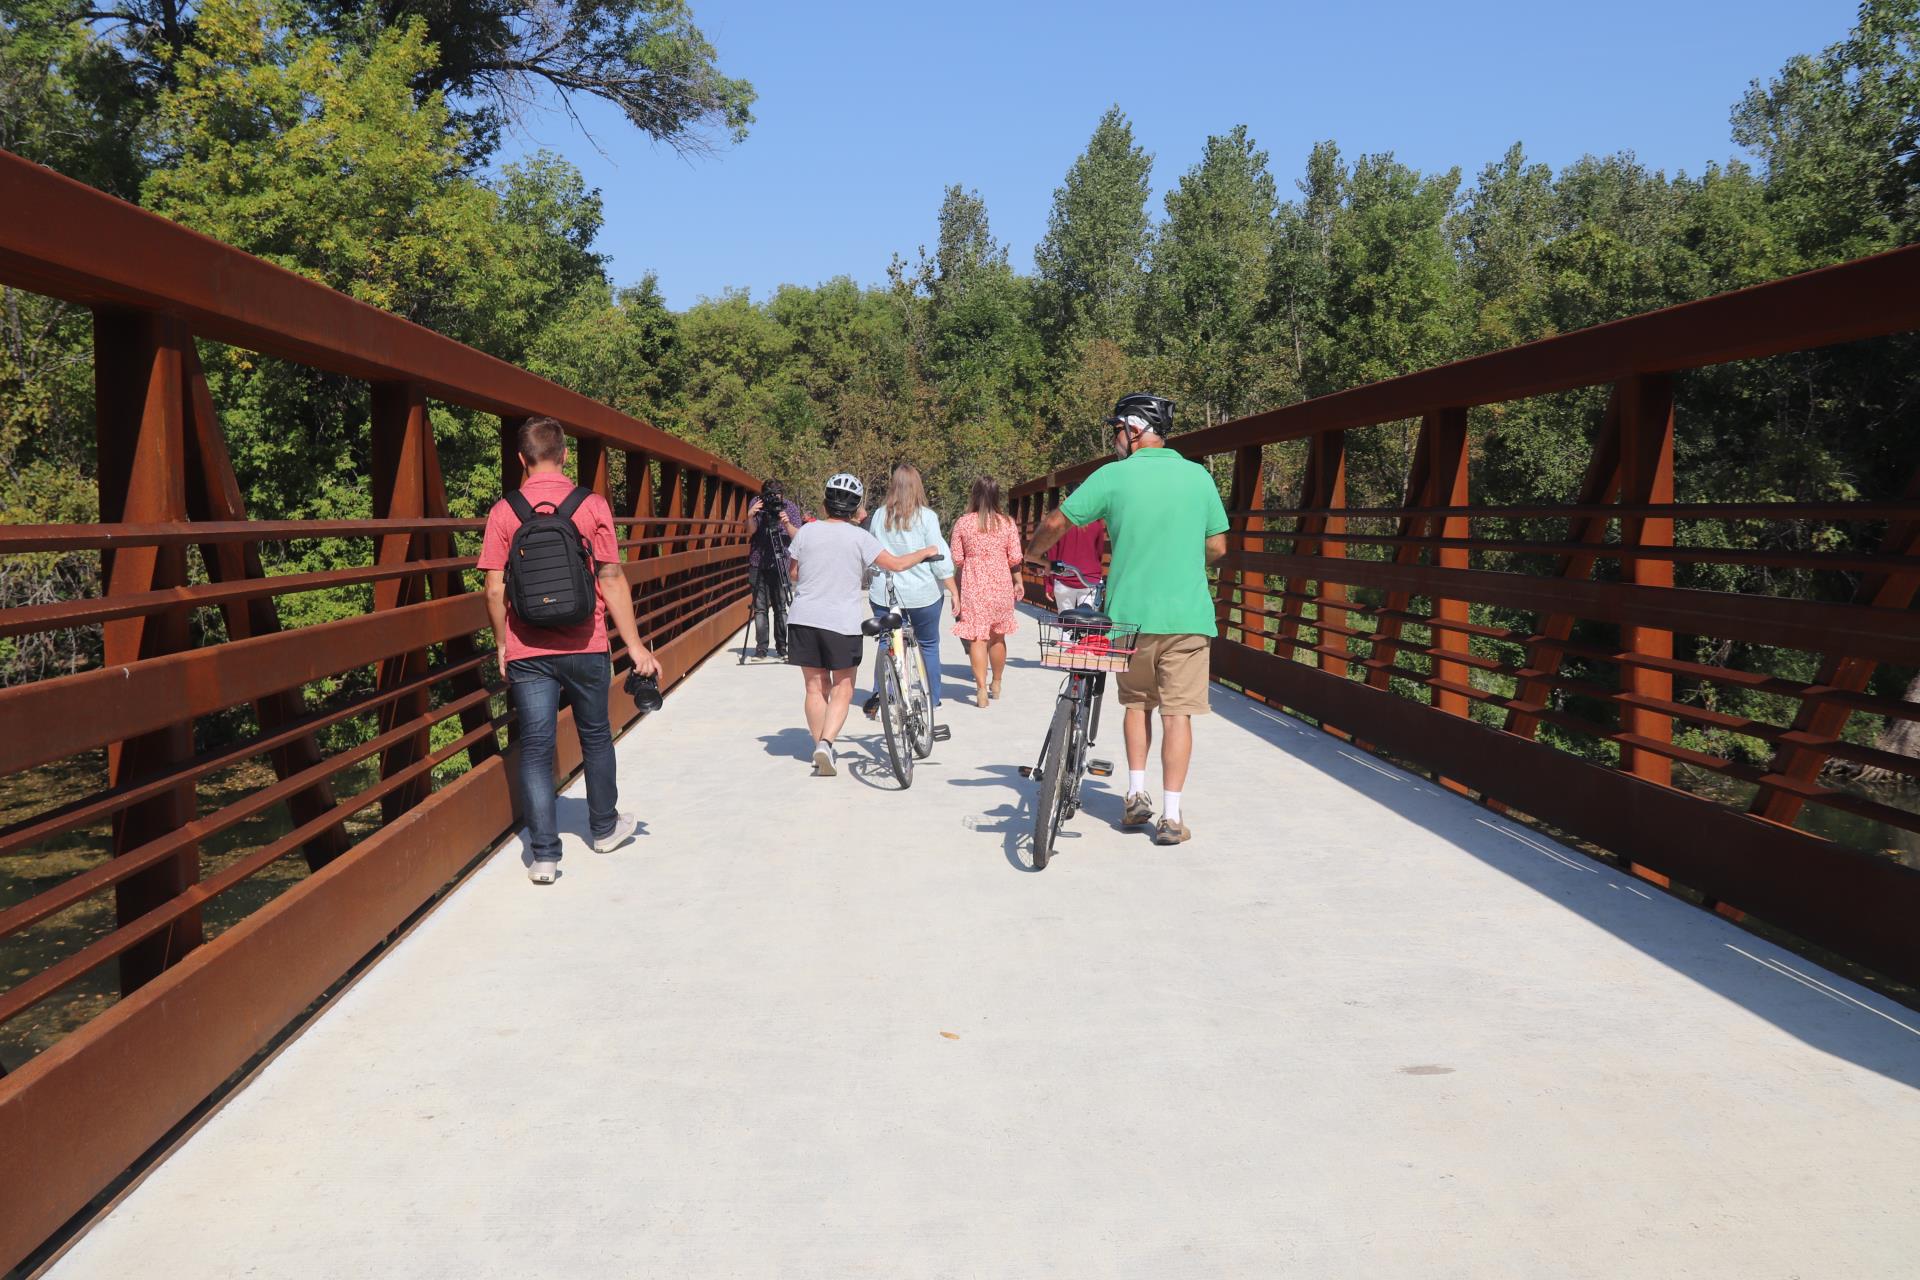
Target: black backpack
[549, 570]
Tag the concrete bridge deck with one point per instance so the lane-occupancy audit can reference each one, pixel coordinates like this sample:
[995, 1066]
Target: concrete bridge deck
[1358, 1027]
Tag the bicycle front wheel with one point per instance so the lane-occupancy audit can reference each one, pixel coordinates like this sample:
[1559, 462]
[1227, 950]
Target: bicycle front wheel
[893, 719]
[1047, 807]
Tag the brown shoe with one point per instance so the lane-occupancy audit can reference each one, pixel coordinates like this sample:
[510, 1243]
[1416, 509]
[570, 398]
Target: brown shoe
[1170, 832]
[1138, 811]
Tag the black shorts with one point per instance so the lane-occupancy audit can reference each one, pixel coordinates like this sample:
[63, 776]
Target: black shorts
[817, 647]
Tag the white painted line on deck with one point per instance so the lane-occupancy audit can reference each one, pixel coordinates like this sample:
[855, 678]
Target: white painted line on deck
[1557, 856]
[1389, 774]
[1808, 980]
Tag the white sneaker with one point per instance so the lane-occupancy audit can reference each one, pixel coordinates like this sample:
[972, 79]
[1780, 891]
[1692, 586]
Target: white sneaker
[825, 761]
[543, 871]
[624, 825]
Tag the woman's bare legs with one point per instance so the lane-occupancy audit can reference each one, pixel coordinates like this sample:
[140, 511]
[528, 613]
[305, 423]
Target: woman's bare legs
[817, 680]
[839, 697]
[977, 654]
[997, 654]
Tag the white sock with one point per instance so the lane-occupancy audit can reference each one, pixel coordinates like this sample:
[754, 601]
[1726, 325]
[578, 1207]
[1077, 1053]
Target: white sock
[1170, 808]
[826, 744]
[1136, 782]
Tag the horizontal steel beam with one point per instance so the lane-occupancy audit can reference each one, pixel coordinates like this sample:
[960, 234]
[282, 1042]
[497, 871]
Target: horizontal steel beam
[1888, 635]
[92, 708]
[189, 1029]
[63, 239]
[1866, 298]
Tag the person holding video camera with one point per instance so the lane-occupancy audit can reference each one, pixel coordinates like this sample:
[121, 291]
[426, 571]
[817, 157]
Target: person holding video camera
[775, 520]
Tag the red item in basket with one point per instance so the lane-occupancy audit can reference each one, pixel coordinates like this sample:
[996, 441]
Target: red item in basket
[1090, 644]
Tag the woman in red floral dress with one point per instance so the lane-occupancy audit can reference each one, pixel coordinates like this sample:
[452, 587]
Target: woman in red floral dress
[986, 550]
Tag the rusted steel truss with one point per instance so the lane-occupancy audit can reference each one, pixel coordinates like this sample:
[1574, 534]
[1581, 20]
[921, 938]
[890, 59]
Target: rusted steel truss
[180, 653]
[1403, 638]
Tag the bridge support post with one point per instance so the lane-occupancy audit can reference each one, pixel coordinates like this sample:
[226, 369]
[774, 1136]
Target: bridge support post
[511, 473]
[213, 493]
[1646, 476]
[1544, 652]
[639, 503]
[1447, 487]
[1246, 492]
[592, 466]
[140, 397]
[402, 442]
[1794, 761]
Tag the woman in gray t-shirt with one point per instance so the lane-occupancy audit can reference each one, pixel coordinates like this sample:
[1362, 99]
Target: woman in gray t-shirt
[830, 561]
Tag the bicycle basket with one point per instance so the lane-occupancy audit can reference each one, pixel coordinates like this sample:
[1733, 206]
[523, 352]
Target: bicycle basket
[1067, 645]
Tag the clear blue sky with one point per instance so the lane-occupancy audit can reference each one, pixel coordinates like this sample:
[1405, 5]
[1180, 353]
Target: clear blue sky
[867, 110]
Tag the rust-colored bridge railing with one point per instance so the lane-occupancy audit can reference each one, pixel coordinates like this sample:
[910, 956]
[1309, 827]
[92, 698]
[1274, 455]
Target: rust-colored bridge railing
[1436, 633]
[261, 804]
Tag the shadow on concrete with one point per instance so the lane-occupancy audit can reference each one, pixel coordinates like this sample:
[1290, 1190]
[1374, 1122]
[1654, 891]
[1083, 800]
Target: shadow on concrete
[788, 744]
[1819, 1008]
[1013, 821]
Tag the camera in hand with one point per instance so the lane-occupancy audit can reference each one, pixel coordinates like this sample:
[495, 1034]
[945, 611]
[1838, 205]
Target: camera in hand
[646, 692]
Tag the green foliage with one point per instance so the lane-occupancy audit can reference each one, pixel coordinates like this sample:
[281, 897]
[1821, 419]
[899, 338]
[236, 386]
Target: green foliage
[1092, 263]
[1210, 274]
[347, 141]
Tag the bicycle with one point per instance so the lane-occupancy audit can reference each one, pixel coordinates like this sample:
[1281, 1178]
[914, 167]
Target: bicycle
[906, 704]
[1086, 644]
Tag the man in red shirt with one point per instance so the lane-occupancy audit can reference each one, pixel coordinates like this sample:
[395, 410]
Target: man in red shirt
[1084, 547]
[542, 664]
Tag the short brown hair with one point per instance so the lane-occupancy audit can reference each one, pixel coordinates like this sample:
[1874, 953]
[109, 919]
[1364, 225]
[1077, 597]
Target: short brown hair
[542, 440]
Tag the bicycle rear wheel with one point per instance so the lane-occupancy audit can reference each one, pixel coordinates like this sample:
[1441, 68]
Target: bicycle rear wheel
[919, 702]
[893, 719]
[1047, 807]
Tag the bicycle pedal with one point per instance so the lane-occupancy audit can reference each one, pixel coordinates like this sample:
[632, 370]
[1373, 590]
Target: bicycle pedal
[1028, 771]
[1100, 768]
[941, 733]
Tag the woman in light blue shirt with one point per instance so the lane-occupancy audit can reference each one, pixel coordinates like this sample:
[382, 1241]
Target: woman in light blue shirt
[907, 523]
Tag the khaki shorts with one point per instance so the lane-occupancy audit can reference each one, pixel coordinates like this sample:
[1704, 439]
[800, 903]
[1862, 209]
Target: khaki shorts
[1168, 672]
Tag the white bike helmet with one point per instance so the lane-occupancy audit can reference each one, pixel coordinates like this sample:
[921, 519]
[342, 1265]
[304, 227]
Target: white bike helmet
[844, 493]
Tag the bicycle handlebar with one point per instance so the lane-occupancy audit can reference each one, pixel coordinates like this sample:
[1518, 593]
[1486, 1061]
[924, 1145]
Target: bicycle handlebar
[1061, 569]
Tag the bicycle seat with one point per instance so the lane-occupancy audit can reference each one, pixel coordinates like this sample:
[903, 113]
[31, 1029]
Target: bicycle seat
[1083, 616]
[880, 626]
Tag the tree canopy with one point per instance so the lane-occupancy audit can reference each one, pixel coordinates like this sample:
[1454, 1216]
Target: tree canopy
[352, 141]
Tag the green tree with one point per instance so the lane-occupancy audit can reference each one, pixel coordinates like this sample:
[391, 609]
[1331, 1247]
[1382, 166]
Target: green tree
[1838, 135]
[1210, 274]
[1092, 263]
[1302, 262]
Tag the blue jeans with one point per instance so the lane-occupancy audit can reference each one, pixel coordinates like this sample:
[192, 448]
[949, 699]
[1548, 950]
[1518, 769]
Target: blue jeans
[926, 633]
[537, 685]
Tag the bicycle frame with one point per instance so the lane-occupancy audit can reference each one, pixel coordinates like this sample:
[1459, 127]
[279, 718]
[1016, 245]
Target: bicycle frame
[1085, 690]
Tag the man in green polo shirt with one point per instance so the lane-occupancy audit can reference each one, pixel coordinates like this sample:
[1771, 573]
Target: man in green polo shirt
[1166, 523]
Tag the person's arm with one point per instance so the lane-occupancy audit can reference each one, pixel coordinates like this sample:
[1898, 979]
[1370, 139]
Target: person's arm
[894, 564]
[1217, 525]
[619, 597]
[1051, 530]
[497, 612]
[943, 569]
[494, 546]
